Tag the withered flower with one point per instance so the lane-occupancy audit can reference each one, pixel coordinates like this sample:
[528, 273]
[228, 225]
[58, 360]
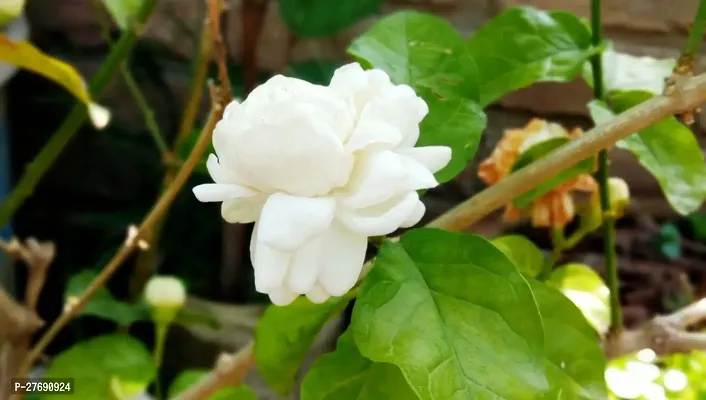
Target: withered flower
[555, 208]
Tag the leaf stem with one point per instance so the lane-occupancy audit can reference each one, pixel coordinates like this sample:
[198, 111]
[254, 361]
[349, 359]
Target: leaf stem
[160, 337]
[611, 267]
[51, 150]
[696, 33]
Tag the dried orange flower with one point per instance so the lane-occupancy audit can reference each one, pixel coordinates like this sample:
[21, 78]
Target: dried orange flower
[554, 209]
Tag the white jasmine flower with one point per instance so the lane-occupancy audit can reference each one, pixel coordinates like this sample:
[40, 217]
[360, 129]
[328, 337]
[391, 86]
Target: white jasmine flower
[319, 169]
[165, 292]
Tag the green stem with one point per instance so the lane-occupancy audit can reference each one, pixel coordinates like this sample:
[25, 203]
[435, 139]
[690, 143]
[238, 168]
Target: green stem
[696, 34]
[160, 337]
[611, 268]
[51, 150]
[147, 111]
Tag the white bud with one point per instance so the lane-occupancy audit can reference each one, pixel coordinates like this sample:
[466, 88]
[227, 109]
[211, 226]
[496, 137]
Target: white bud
[619, 195]
[165, 292]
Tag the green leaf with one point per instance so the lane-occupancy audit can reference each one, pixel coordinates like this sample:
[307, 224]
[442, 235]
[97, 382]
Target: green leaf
[123, 11]
[316, 70]
[526, 257]
[698, 225]
[189, 377]
[453, 313]
[324, 18]
[103, 304]
[585, 288]
[541, 150]
[428, 54]
[284, 335]
[622, 71]
[94, 363]
[667, 149]
[574, 359]
[523, 45]
[346, 375]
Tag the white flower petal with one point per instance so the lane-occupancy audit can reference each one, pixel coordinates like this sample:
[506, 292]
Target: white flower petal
[243, 211]
[210, 192]
[218, 172]
[433, 157]
[418, 176]
[382, 219]
[282, 296]
[270, 264]
[318, 294]
[370, 132]
[342, 259]
[287, 222]
[305, 266]
[378, 177]
[416, 215]
[231, 109]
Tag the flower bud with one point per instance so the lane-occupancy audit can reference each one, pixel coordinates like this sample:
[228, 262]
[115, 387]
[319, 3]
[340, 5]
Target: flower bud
[9, 10]
[619, 195]
[166, 296]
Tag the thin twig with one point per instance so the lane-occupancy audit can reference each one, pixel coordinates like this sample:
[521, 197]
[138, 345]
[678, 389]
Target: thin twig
[51, 150]
[690, 92]
[160, 207]
[215, 9]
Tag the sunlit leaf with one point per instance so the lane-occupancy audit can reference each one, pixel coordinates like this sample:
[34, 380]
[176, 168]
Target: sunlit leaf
[526, 256]
[585, 288]
[24, 55]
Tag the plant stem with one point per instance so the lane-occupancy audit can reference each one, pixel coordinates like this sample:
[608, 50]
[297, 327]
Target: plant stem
[160, 337]
[696, 33]
[155, 215]
[147, 111]
[147, 259]
[51, 150]
[611, 267]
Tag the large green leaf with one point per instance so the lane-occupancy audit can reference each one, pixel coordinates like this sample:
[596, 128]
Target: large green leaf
[103, 304]
[585, 288]
[574, 359]
[426, 53]
[453, 313]
[523, 46]
[346, 375]
[189, 377]
[539, 151]
[524, 254]
[667, 149]
[284, 335]
[93, 364]
[323, 18]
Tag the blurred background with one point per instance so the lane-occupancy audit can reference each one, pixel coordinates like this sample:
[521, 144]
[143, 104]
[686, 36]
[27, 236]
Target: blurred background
[106, 180]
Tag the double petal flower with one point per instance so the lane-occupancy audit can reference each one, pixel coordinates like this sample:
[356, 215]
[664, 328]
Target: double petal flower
[319, 169]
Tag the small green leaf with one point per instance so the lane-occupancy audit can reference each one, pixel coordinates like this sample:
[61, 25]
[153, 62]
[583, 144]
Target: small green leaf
[669, 241]
[93, 364]
[427, 53]
[668, 149]
[123, 11]
[189, 377]
[523, 45]
[541, 150]
[284, 335]
[585, 288]
[316, 70]
[346, 375]
[527, 257]
[453, 313]
[103, 304]
[574, 359]
[324, 18]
